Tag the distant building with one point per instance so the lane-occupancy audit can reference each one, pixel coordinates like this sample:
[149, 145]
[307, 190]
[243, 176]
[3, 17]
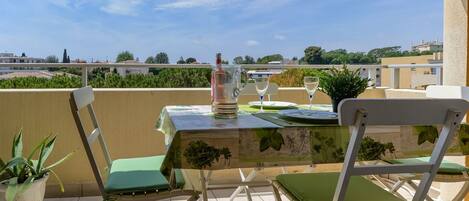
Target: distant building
[12, 58]
[412, 78]
[129, 70]
[433, 46]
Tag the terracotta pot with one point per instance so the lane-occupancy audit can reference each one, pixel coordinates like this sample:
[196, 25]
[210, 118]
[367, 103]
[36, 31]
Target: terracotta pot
[34, 193]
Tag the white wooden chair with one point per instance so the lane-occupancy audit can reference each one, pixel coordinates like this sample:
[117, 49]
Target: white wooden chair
[449, 172]
[360, 113]
[129, 178]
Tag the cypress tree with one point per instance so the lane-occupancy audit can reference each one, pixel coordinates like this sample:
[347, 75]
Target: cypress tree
[65, 58]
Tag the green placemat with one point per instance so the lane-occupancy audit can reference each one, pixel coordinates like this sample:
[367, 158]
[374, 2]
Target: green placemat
[276, 119]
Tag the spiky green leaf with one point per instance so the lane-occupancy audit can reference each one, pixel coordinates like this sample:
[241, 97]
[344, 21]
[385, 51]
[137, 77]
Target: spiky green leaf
[59, 161]
[45, 152]
[58, 180]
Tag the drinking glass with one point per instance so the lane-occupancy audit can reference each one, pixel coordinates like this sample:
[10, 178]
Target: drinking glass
[311, 85]
[262, 83]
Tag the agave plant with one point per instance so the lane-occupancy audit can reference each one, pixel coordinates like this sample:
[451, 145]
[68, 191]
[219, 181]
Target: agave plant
[342, 83]
[20, 172]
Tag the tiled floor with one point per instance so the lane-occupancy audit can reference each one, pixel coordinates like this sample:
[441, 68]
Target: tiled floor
[259, 194]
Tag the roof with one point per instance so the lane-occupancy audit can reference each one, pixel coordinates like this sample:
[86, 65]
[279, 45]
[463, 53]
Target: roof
[38, 74]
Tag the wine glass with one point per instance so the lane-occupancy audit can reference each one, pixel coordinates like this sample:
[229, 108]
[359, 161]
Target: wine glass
[262, 84]
[311, 85]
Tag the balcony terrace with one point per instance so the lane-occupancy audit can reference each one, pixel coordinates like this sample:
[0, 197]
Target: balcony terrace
[128, 117]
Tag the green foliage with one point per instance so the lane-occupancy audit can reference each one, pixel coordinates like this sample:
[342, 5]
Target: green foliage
[342, 83]
[57, 81]
[326, 146]
[181, 78]
[246, 60]
[313, 55]
[269, 138]
[191, 60]
[269, 58]
[373, 150]
[65, 58]
[200, 155]
[393, 51]
[294, 77]
[21, 171]
[124, 56]
[426, 134]
[181, 61]
[52, 59]
[161, 58]
[463, 135]
[150, 60]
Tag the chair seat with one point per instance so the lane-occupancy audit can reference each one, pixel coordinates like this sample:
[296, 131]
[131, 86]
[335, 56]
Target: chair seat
[446, 167]
[138, 175]
[321, 187]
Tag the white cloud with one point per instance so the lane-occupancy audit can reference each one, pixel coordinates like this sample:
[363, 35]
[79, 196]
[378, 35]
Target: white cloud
[181, 4]
[68, 3]
[279, 37]
[251, 43]
[122, 7]
[197, 41]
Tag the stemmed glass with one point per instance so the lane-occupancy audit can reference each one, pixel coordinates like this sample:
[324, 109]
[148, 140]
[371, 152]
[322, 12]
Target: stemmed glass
[262, 83]
[311, 85]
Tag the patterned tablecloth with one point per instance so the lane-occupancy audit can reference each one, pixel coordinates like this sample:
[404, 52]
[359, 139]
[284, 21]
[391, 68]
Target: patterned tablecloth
[196, 140]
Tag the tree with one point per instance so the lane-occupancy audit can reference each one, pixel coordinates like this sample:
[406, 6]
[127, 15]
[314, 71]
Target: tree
[162, 58]
[246, 60]
[378, 53]
[65, 58]
[23, 54]
[124, 56]
[52, 59]
[150, 60]
[270, 58]
[181, 61]
[313, 55]
[249, 60]
[191, 60]
[224, 62]
[238, 60]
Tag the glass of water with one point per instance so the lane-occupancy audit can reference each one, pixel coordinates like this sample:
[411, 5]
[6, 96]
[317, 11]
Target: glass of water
[262, 84]
[311, 85]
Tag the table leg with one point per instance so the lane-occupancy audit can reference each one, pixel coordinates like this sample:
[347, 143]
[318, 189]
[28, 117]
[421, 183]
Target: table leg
[203, 184]
[238, 190]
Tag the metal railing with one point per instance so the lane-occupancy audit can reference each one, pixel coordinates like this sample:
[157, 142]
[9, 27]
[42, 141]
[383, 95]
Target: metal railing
[371, 71]
[395, 72]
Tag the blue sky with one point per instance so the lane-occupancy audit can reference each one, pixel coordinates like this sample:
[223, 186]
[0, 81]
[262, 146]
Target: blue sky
[100, 29]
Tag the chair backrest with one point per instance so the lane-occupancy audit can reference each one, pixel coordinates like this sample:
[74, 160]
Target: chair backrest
[359, 113]
[250, 89]
[79, 99]
[440, 91]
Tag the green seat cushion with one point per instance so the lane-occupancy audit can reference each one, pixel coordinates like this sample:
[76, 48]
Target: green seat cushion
[321, 187]
[139, 174]
[446, 167]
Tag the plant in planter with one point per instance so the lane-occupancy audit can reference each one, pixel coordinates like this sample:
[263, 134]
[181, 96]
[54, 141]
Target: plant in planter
[24, 178]
[342, 83]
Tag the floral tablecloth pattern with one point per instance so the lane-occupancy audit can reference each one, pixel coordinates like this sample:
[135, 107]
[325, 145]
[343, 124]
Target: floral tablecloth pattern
[196, 140]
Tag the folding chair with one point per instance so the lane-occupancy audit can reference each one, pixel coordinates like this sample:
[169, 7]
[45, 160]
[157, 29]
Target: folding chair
[359, 113]
[448, 172]
[129, 178]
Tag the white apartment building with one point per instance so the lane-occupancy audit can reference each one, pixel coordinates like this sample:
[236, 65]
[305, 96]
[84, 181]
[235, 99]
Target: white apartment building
[12, 58]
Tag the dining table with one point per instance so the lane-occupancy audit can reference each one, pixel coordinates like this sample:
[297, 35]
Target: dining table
[197, 141]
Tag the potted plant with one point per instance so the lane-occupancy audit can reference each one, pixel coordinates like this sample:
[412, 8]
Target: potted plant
[23, 178]
[342, 83]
